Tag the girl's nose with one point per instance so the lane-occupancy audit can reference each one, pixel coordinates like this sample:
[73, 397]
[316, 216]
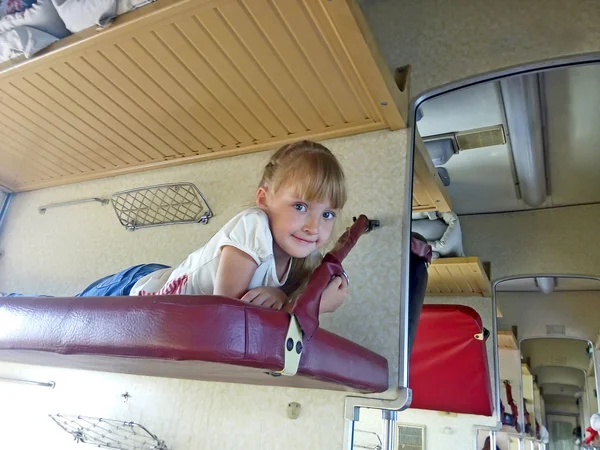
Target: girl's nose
[311, 225]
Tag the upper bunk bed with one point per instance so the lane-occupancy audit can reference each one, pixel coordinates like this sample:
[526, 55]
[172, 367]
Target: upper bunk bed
[181, 81]
[202, 337]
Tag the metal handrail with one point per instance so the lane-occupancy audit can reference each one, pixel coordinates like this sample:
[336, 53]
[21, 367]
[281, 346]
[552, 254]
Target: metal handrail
[103, 201]
[48, 384]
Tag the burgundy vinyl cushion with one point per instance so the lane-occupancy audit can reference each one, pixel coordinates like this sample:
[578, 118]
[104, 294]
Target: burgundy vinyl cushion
[448, 365]
[201, 337]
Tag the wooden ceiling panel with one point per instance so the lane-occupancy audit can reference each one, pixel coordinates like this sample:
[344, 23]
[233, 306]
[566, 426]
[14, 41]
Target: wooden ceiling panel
[185, 80]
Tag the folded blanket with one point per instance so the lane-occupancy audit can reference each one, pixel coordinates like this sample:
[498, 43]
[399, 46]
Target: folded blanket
[442, 232]
[14, 6]
[29, 30]
[28, 26]
[124, 6]
[81, 14]
[42, 15]
[23, 41]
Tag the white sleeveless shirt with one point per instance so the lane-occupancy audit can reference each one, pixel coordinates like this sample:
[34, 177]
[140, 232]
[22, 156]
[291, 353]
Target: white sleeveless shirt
[249, 231]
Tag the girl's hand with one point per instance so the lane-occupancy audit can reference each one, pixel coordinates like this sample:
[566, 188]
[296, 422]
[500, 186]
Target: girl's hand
[266, 296]
[334, 295]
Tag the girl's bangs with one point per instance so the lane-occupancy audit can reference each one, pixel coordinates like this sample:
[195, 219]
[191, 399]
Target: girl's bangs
[316, 180]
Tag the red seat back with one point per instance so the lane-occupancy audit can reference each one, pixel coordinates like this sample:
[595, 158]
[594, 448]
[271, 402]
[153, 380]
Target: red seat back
[449, 365]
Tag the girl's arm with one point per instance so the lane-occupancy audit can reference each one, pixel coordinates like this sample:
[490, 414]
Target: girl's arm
[234, 272]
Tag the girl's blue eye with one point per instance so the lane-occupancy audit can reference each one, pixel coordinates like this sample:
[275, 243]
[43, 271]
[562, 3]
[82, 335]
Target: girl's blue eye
[328, 215]
[300, 207]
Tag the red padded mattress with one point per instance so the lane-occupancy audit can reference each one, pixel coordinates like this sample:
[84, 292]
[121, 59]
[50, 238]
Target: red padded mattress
[449, 365]
[196, 337]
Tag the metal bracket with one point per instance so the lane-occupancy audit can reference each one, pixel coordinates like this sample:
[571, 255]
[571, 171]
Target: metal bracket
[485, 333]
[293, 410]
[372, 224]
[400, 403]
[292, 348]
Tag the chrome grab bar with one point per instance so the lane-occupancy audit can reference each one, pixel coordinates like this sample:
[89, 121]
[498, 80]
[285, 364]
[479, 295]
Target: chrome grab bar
[103, 201]
[48, 384]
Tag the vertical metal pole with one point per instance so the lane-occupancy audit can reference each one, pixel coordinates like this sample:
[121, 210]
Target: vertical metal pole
[493, 439]
[403, 354]
[497, 407]
[520, 443]
[349, 434]
[389, 428]
[349, 429]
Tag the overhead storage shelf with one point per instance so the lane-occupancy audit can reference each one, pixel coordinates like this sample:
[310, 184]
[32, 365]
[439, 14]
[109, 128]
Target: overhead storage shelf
[429, 193]
[458, 276]
[181, 81]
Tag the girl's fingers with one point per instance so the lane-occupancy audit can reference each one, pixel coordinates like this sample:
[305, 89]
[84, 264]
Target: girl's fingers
[259, 297]
[336, 281]
[344, 283]
[269, 302]
[249, 296]
[259, 300]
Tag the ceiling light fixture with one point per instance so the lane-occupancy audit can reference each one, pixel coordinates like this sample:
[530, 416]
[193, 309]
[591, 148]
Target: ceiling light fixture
[522, 107]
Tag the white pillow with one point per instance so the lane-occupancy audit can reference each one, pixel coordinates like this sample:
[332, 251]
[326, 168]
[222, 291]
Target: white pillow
[81, 14]
[23, 41]
[41, 16]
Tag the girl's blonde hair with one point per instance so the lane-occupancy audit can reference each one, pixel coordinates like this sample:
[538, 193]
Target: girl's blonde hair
[315, 174]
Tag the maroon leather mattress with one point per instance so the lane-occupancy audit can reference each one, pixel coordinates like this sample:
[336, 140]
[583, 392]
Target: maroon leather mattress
[196, 337]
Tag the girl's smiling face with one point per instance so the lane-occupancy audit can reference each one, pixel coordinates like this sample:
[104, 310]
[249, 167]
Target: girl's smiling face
[299, 227]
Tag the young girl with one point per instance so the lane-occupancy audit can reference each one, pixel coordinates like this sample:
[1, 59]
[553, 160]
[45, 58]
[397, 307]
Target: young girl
[265, 254]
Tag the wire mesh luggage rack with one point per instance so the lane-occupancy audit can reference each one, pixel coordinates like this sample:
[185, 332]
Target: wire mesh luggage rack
[372, 445]
[163, 204]
[107, 433]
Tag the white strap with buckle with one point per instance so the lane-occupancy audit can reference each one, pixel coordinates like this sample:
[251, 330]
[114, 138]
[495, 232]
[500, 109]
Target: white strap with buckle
[292, 347]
